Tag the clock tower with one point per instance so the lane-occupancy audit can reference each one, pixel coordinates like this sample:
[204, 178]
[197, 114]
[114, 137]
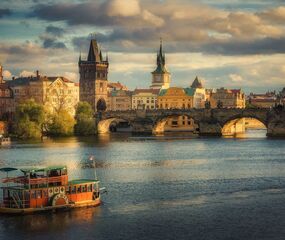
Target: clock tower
[160, 76]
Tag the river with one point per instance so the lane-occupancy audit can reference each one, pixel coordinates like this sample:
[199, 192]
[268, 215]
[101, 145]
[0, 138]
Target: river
[167, 187]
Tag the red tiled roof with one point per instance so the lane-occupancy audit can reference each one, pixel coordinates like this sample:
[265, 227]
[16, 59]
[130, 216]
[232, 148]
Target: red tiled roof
[235, 91]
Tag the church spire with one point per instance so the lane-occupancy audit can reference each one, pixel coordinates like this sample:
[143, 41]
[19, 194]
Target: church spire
[160, 60]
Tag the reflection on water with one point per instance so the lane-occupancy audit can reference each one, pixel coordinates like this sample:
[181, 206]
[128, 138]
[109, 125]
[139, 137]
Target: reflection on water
[165, 187]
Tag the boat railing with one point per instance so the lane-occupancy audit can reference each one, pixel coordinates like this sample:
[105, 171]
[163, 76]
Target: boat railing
[63, 180]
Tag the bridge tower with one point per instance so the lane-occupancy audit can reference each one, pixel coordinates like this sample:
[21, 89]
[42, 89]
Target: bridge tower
[160, 76]
[94, 78]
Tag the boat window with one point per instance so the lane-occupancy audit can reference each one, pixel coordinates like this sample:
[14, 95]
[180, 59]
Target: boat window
[89, 189]
[73, 189]
[54, 173]
[45, 195]
[67, 190]
[84, 188]
[39, 193]
[63, 172]
[33, 194]
[78, 189]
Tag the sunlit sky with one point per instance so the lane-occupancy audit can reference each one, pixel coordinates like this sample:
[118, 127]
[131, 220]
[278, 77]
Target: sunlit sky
[235, 44]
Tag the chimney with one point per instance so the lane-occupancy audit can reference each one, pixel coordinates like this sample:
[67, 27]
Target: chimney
[37, 72]
[13, 78]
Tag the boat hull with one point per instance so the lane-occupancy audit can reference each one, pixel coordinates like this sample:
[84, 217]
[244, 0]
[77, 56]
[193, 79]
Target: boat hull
[25, 211]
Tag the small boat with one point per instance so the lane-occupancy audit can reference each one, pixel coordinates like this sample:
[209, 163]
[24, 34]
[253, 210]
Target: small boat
[46, 189]
[5, 140]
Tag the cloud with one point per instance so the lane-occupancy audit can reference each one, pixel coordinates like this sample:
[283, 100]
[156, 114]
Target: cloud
[71, 76]
[123, 8]
[236, 78]
[26, 73]
[50, 37]
[7, 74]
[55, 31]
[276, 15]
[5, 11]
[135, 26]
[260, 46]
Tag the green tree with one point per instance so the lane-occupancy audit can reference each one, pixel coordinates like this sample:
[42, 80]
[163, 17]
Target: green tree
[60, 124]
[85, 122]
[29, 119]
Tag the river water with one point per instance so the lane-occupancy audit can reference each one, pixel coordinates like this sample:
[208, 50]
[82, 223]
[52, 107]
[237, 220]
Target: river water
[168, 187]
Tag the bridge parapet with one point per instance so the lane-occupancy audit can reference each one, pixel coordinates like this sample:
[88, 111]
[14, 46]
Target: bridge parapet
[210, 121]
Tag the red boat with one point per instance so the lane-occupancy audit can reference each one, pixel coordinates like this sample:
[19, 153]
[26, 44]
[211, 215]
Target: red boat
[46, 189]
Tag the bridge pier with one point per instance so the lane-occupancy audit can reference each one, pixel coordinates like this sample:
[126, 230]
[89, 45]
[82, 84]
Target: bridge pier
[142, 125]
[210, 129]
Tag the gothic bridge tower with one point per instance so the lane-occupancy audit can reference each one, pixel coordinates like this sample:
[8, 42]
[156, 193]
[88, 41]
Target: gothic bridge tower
[93, 80]
[160, 76]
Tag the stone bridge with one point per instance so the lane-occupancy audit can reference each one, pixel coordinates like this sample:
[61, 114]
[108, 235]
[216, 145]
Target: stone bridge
[209, 121]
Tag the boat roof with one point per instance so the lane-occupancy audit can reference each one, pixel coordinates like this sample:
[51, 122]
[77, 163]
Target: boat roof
[29, 170]
[81, 181]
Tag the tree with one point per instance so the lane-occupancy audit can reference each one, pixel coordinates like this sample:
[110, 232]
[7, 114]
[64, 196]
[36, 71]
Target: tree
[61, 124]
[220, 104]
[207, 104]
[85, 122]
[29, 119]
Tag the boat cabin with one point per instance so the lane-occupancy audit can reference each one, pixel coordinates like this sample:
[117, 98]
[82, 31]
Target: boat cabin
[45, 187]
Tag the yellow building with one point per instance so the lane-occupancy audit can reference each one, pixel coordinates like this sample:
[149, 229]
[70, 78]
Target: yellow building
[55, 93]
[181, 98]
[119, 100]
[227, 98]
[144, 98]
[175, 97]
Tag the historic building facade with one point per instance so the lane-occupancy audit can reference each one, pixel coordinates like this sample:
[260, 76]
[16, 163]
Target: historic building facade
[176, 97]
[200, 95]
[119, 100]
[55, 93]
[144, 98]
[160, 76]
[94, 78]
[227, 98]
[7, 105]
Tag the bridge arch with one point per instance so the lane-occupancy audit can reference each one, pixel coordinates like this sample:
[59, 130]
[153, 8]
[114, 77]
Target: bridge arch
[189, 123]
[105, 124]
[239, 123]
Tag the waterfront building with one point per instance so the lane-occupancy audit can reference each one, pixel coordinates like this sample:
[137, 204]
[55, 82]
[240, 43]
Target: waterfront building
[181, 98]
[265, 100]
[160, 76]
[227, 98]
[144, 98]
[55, 93]
[176, 97]
[114, 86]
[199, 97]
[119, 100]
[94, 78]
[7, 105]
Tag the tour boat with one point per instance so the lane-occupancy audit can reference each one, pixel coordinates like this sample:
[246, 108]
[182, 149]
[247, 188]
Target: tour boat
[46, 189]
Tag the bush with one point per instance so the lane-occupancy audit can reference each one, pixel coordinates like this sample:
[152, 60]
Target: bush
[85, 122]
[61, 124]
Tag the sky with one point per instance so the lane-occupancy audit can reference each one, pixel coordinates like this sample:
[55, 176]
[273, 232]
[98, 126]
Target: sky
[232, 44]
